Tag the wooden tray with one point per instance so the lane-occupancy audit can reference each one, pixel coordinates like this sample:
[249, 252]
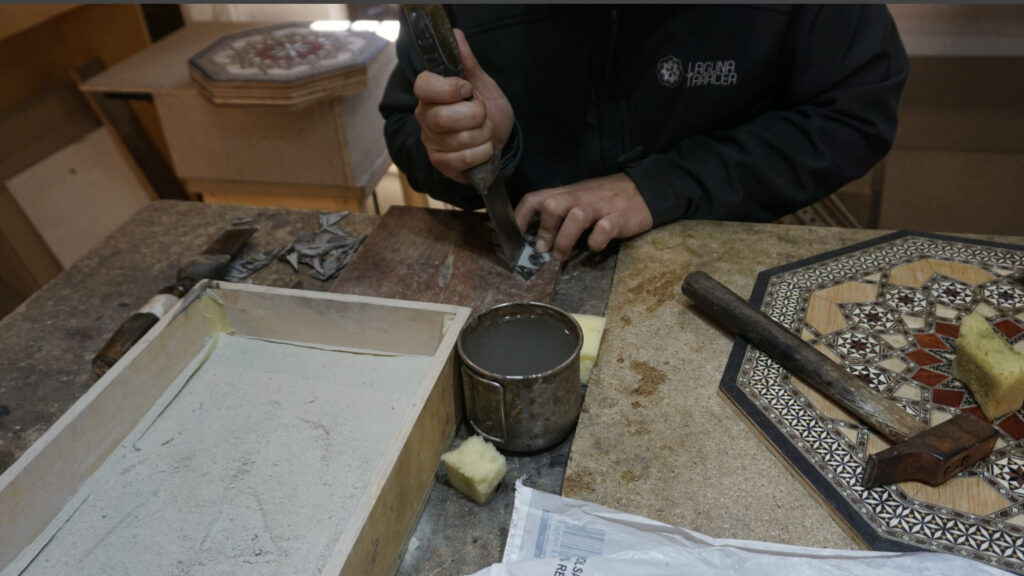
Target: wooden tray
[889, 310]
[46, 495]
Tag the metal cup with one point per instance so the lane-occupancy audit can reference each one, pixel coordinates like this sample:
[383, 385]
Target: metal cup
[522, 413]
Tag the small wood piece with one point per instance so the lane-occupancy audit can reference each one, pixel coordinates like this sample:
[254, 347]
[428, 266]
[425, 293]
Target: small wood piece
[795, 355]
[442, 256]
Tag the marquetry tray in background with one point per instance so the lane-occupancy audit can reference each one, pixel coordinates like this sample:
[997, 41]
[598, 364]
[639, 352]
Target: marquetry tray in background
[889, 310]
[285, 64]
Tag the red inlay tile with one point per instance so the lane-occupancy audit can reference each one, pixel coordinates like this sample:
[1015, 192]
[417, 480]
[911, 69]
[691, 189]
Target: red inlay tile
[976, 410]
[930, 341]
[1013, 425]
[930, 378]
[949, 330]
[1009, 328]
[922, 358]
[951, 398]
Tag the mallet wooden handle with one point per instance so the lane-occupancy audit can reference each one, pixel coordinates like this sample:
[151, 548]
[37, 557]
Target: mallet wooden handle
[800, 358]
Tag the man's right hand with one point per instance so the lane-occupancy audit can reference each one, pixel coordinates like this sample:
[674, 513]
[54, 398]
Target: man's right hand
[458, 133]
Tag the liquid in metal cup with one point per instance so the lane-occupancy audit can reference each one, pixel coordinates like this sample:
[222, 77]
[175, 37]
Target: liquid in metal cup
[521, 375]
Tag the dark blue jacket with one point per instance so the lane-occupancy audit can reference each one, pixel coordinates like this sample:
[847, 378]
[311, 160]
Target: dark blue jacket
[723, 112]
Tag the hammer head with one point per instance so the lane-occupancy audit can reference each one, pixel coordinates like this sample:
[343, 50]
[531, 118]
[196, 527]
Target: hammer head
[933, 456]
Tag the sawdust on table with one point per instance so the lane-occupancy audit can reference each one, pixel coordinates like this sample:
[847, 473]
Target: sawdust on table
[578, 484]
[659, 289]
[651, 378]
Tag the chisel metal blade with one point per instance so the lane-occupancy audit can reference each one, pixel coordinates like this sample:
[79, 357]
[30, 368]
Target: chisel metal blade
[519, 254]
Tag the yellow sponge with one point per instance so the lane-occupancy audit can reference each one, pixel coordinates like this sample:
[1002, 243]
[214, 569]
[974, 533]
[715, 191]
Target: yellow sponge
[593, 329]
[987, 365]
[475, 468]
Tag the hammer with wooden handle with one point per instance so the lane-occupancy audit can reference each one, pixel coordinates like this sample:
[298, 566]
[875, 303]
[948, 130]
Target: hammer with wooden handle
[929, 455]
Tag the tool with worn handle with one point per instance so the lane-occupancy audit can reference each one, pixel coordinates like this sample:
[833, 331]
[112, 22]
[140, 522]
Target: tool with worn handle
[212, 263]
[435, 42]
[929, 455]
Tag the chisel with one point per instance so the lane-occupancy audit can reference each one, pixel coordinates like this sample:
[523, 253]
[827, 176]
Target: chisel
[435, 42]
[211, 263]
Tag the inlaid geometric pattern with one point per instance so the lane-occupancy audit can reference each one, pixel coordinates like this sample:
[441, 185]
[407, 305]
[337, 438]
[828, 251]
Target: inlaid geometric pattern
[873, 317]
[285, 65]
[905, 299]
[285, 53]
[901, 342]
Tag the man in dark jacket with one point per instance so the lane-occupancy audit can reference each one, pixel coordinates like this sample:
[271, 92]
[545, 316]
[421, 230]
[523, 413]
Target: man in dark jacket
[620, 118]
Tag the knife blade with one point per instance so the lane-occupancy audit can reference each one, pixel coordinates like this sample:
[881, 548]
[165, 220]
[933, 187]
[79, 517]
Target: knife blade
[210, 263]
[435, 42]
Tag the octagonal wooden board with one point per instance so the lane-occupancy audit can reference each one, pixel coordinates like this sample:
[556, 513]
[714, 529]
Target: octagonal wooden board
[285, 64]
[889, 311]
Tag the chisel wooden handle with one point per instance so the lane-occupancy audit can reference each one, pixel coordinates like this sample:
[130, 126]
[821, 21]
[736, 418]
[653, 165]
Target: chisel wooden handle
[435, 41]
[886, 416]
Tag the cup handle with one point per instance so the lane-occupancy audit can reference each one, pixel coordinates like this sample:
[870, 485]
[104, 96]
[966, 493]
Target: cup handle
[487, 410]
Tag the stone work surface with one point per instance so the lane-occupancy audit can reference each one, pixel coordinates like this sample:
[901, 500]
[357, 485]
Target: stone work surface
[656, 436]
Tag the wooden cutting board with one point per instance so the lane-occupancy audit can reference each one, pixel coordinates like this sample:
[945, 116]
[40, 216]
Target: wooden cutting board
[443, 256]
[889, 311]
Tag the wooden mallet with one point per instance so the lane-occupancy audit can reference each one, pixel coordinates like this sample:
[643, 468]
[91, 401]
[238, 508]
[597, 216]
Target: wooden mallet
[929, 455]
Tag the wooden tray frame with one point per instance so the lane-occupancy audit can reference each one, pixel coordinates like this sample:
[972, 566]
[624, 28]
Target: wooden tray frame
[36, 487]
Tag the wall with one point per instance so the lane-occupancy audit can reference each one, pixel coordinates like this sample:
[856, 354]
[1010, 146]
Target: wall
[263, 12]
[41, 111]
[958, 155]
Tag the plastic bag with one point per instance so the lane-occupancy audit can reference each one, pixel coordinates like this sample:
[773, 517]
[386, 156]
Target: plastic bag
[551, 535]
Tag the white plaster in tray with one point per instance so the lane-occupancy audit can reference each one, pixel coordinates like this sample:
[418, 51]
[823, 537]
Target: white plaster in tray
[250, 464]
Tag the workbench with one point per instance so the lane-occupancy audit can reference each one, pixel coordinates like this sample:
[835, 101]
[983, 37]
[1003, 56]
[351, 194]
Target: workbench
[655, 437]
[47, 345]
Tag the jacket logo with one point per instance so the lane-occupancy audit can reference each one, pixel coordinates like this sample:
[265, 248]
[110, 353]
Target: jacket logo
[711, 73]
[669, 71]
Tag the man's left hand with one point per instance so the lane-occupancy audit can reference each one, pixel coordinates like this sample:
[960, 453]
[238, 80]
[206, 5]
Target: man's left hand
[611, 204]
